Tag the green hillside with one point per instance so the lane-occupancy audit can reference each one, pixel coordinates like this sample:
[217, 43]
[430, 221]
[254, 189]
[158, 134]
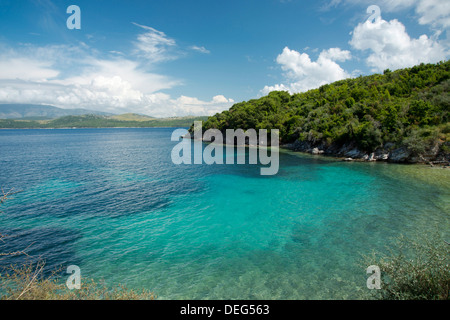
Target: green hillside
[132, 117]
[97, 121]
[405, 110]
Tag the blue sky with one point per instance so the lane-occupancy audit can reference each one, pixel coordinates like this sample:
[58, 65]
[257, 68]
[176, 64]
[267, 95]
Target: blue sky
[176, 58]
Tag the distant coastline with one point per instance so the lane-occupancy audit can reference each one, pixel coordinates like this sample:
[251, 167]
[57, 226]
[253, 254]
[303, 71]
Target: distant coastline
[101, 121]
[78, 128]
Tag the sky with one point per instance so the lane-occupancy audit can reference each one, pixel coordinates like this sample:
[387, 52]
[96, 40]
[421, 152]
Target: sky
[168, 58]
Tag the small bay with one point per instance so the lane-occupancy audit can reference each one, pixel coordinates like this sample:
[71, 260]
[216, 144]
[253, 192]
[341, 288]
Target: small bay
[112, 202]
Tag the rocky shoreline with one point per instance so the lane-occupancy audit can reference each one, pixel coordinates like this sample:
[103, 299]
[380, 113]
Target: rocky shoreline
[388, 153]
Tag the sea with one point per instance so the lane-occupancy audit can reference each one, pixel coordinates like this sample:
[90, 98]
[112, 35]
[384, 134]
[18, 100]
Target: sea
[112, 202]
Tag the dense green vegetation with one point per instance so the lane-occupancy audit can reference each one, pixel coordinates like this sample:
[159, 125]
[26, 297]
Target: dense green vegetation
[98, 121]
[408, 107]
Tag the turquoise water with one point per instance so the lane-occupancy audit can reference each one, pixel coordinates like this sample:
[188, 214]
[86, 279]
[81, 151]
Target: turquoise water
[111, 202]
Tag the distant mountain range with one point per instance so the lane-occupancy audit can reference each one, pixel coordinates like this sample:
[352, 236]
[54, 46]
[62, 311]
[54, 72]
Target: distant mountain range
[41, 112]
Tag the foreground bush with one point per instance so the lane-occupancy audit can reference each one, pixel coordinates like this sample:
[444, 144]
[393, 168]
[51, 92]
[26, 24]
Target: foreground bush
[416, 269]
[27, 283]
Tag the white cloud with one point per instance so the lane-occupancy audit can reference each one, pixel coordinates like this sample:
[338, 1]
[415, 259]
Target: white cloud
[434, 12]
[394, 5]
[154, 45]
[69, 77]
[335, 54]
[386, 5]
[221, 99]
[162, 105]
[200, 49]
[304, 74]
[391, 46]
[429, 12]
[128, 71]
[111, 94]
[26, 69]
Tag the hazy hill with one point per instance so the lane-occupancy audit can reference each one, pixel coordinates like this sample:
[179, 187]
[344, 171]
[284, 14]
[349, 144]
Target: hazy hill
[40, 112]
[100, 121]
[132, 117]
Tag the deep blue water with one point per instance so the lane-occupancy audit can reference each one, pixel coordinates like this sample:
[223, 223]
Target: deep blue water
[112, 202]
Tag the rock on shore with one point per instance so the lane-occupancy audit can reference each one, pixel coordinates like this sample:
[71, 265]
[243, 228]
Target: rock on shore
[389, 152]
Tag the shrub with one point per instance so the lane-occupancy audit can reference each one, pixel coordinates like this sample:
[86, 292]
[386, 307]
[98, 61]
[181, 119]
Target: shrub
[414, 269]
[26, 282]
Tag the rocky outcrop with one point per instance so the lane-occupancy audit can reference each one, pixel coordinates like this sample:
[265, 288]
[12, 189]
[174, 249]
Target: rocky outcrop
[401, 154]
[389, 152]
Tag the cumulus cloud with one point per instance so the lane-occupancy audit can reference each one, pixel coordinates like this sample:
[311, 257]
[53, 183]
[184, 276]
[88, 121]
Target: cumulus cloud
[162, 105]
[109, 94]
[128, 71]
[335, 54]
[390, 46]
[434, 12]
[76, 76]
[304, 74]
[83, 80]
[221, 99]
[383, 44]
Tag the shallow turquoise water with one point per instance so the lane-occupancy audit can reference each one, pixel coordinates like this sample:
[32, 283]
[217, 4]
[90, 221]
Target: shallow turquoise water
[111, 202]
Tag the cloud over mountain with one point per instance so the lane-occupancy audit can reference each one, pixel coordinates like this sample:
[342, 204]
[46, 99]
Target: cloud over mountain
[76, 76]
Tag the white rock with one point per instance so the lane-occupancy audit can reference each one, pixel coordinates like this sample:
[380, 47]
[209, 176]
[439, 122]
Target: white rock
[316, 151]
